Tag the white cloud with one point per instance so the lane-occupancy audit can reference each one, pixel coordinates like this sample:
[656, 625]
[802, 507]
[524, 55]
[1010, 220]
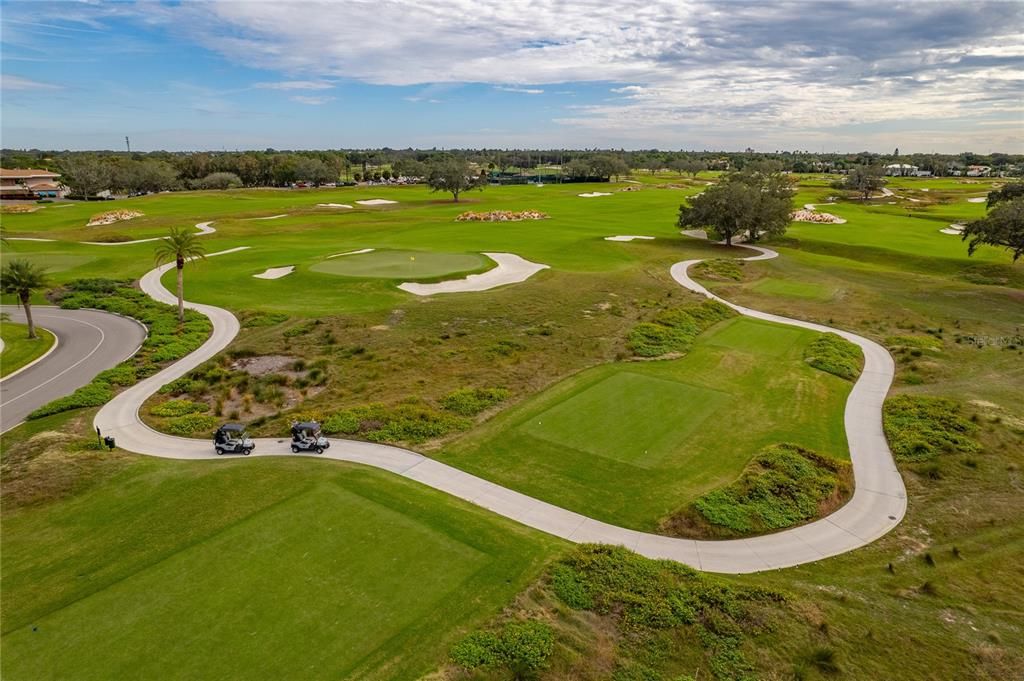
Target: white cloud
[11, 82]
[295, 85]
[521, 90]
[311, 100]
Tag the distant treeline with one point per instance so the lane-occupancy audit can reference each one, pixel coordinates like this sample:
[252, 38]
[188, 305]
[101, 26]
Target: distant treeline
[88, 172]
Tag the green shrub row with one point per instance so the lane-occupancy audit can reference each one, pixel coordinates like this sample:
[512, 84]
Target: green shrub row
[190, 424]
[720, 268]
[675, 330]
[646, 595]
[412, 422]
[167, 339]
[783, 486]
[920, 428]
[834, 354]
[472, 401]
[179, 408]
[521, 647]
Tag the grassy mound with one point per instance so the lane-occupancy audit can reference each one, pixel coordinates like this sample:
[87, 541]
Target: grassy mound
[721, 269]
[612, 614]
[920, 428]
[784, 485]
[835, 355]
[673, 331]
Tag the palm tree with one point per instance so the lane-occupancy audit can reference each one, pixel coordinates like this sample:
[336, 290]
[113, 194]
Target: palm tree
[180, 247]
[22, 277]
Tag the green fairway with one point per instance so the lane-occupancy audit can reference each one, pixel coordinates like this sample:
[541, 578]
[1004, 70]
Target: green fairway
[19, 349]
[793, 289]
[630, 443]
[627, 417]
[250, 570]
[388, 264]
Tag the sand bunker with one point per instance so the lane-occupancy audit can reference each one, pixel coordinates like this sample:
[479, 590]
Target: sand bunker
[591, 195]
[333, 205]
[814, 216]
[629, 237]
[694, 233]
[112, 216]
[955, 228]
[501, 216]
[977, 199]
[375, 202]
[275, 272]
[272, 217]
[360, 251]
[511, 269]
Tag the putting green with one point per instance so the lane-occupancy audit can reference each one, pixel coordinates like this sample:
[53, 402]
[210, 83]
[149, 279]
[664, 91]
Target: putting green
[388, 264]
[749, 335]
[628, 417]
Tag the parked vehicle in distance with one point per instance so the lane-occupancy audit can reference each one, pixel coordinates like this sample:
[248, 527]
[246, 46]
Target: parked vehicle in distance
[231, 438]
[306, 437]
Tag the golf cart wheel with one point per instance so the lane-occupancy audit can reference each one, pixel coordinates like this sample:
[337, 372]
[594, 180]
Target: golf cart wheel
[246, 452]
[295, 450]
[319, 450]
[220, 452]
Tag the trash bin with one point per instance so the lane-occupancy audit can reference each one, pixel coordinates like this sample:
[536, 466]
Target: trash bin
[109, 442]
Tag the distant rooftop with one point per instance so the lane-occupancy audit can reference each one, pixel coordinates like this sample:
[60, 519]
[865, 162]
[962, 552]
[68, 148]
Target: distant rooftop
[25, 173]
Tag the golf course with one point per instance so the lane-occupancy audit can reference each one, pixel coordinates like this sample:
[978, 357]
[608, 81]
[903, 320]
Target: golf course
[593, 379]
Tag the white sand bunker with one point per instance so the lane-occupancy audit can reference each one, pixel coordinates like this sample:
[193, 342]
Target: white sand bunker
[977, 199]
[375, 202]
[359, 252]
[955, 228]
[272, 217]
[511, 269]
[591, 195]
[275, 272]
[694, 233]
[629, 237]
[333, 205]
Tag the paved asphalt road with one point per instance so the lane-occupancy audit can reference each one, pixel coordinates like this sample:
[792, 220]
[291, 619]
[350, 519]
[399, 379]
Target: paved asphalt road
[88, 341]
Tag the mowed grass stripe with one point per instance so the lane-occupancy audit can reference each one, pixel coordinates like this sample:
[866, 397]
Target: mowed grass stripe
[627, 417]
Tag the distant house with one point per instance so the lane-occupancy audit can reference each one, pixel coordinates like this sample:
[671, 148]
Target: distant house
[978, 171]
[29, 183]
[900, 170]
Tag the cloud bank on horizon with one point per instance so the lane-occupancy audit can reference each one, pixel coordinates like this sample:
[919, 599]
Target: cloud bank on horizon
[928, 75]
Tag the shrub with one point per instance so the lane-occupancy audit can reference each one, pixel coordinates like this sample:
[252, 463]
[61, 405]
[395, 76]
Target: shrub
[191, 423]
[834, 354]
[122, 375]
[675, 330]
[522, 647]
[720, 268]
[409, 422]
[921, 428]
[90, 395]
[179, 408]
[472, 401]
[784, 485]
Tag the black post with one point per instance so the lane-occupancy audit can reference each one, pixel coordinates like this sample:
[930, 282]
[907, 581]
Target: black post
[99, 437]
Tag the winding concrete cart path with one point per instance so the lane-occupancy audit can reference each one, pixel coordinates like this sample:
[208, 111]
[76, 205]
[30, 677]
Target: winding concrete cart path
[878, 504]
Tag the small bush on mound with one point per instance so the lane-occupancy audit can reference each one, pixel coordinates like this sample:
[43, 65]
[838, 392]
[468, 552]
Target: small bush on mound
[254, 319]
[783, 486]
[834, 354]
[472, 401]
[410, 422]
[720, 268]
[167, 340]
[191, 424]
[521, 647]
[674, 331]
[921, 428]
[179, 408]
[646, 596]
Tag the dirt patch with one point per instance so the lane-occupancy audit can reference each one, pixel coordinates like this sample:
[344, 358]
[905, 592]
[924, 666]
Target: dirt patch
[267, 364]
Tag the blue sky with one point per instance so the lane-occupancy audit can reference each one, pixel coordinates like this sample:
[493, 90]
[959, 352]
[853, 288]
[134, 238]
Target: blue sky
[923, 76]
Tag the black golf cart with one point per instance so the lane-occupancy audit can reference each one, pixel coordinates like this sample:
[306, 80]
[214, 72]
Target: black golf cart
[231, 438]
[306, 437]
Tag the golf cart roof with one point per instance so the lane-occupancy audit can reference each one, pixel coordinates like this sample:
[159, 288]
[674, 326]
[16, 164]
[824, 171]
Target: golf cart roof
[306, 425]
[233, 427]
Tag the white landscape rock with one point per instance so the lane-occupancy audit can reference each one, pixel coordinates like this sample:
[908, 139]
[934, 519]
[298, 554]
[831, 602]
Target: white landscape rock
[511, 269]
[376, 202]
[333, 205]
[359, 252]
[629, 237]
[955, 228]
[275, 272]
[591, 195]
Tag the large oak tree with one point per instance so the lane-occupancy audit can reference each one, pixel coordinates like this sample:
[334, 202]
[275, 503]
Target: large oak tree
[754, 202]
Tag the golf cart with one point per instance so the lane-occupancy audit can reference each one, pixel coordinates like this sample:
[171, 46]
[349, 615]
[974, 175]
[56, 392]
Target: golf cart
[232, 439]
[306, 437]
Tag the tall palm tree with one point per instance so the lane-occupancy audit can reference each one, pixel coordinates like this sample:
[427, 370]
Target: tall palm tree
[22, 277]
[180, 247]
